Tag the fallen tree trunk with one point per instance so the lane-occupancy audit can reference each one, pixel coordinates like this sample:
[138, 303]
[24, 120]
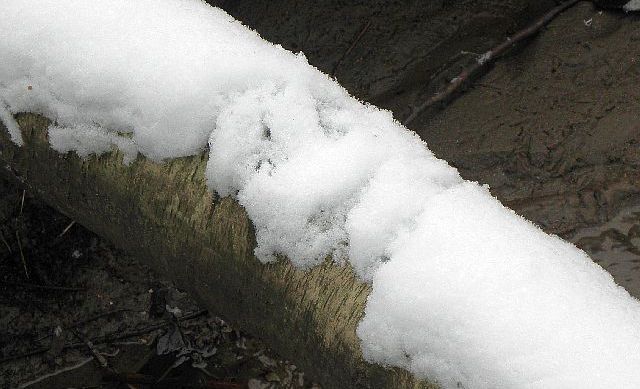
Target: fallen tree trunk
[165, 215]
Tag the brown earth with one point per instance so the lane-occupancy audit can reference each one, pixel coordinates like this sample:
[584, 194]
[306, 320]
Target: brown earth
[553, 128]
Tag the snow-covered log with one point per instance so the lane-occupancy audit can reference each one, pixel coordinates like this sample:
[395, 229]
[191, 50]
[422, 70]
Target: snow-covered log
[336, 204]
[166, 216]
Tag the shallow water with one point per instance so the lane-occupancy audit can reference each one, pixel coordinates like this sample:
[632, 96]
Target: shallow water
[615, 245]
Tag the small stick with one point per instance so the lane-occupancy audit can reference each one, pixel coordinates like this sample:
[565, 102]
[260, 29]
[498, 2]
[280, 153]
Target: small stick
[104, 364]
[107, 338]
[31, 353]
[22, 202]
[66, 229]
[94, 351]
[5, 242]
[24, 261]
[137, 378]
[89, 320]
[47, 287]
[353, 44]
[488, 58]
[55, 373]
[130, 378]
[146, 330]
[96, 317]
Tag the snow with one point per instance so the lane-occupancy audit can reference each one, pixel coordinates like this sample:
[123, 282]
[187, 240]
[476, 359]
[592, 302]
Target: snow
[87, 139]
[504, 305]
[464, 291]
[129, 66]
[9, 122]
[633, 5]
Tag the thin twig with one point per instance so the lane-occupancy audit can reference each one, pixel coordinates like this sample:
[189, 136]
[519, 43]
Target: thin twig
[28, 354]
[104, 364]
[46, 287]
[94, 351]
[108, 338]
[66, 229]
[22, 202]
[57, 372]
[145, 379]
[96, 317]
[24, 261]
[353, 44]
[488, 58]
[146, 330]
[5, 242]
[89, 320]
[130, 378]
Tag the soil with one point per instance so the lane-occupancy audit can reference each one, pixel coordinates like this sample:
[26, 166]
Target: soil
[552, 128]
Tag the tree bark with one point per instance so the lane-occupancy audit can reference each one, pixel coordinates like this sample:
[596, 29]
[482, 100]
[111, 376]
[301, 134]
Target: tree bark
[165, 215]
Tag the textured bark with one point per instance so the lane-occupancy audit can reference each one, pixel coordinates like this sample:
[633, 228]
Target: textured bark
[165, 215]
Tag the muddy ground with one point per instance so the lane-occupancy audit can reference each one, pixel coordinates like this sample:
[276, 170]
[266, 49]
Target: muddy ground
[553, 128]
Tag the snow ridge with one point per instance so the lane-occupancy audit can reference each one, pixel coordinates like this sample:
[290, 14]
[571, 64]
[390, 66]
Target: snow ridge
[464, 291]
[633, 5]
